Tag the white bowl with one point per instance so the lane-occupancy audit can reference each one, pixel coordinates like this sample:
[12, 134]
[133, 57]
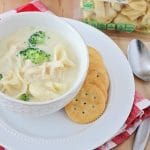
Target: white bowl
[16, 21]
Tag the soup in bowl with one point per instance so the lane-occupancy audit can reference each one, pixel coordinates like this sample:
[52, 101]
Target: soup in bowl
[43, 63]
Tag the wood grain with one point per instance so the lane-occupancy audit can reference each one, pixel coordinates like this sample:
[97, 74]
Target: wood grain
[70, 8]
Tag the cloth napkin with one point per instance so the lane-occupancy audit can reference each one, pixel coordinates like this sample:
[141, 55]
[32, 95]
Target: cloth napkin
[141, 106]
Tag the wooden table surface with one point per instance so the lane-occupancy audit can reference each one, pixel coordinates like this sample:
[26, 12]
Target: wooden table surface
[70, 8]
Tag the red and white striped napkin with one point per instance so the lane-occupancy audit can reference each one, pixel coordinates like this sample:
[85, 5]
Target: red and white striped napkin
[141, 106]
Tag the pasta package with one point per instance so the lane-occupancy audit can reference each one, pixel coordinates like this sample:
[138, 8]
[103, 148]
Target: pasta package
[119, 15]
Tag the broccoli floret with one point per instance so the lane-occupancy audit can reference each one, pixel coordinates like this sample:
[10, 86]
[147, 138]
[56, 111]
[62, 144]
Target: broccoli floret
[37, 38]
[36, 55]
[24, 97]
[1, 76]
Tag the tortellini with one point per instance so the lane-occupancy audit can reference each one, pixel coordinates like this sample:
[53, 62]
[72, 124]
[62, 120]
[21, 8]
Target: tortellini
[61, 56]
[13, 84]
[116, 6]
[134, 12]
[146, 20]
[139, 5]
[123, 19]
[45, 89]
[88, 14]
[104, 12]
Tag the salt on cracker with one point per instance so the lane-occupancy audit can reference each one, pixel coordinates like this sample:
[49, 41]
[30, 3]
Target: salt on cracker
[87, 106]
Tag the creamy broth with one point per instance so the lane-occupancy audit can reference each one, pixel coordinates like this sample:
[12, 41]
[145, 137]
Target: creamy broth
[36, 64]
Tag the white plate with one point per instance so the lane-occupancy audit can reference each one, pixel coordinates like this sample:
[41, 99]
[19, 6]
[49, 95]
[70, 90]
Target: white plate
[56, 131]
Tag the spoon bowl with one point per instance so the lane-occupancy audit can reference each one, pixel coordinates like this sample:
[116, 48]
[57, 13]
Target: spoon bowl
[139, 59]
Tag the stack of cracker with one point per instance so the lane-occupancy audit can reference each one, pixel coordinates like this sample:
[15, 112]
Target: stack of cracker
[91, 100]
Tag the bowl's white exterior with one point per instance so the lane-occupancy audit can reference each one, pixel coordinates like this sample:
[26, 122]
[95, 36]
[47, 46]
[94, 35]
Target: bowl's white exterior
[36, 110]
[16, 21]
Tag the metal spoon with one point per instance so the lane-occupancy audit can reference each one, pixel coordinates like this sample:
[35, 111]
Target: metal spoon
[142, 135]
[139, 59]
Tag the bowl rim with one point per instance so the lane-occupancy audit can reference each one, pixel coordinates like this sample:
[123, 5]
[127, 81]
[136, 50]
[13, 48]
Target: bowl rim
[80, 78]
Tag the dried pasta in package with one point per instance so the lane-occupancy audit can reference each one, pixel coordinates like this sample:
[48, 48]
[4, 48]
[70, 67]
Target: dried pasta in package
[120, 15]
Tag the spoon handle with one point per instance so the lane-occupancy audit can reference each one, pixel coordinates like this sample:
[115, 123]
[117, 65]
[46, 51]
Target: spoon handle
[142, 136]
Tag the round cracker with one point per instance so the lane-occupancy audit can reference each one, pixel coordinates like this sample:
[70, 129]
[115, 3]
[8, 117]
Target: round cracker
[97, 73]
[94, 55]
[99, 78]
[87, 106]
[95, 59]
